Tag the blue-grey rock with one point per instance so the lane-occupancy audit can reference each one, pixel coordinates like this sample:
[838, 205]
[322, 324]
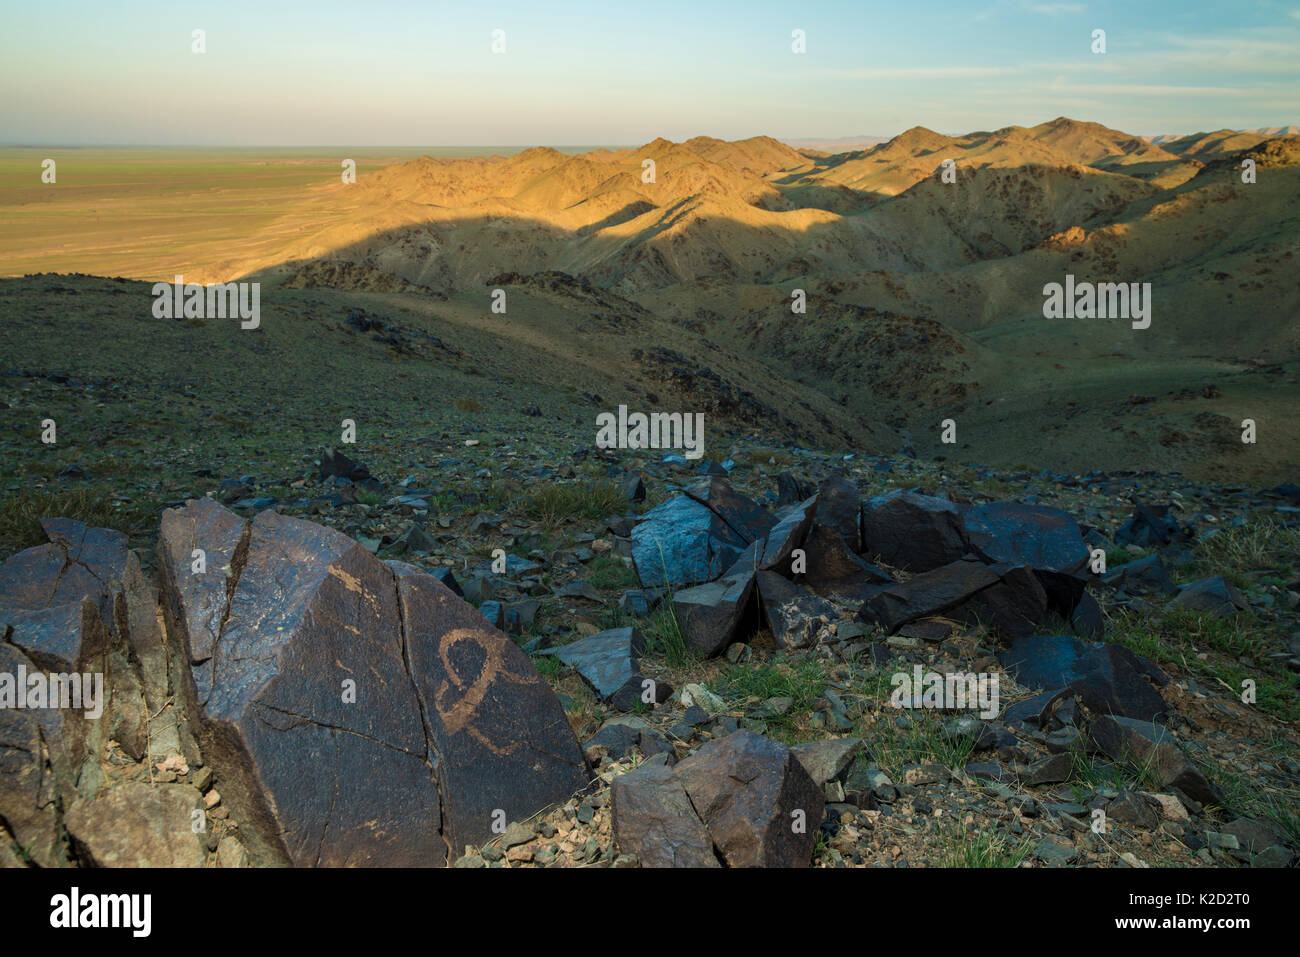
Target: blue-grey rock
[1109, 679]
[1150, 526]
[1212, 596]
[609, 661]
[682, 543]
[787, 535]
[1142, 576]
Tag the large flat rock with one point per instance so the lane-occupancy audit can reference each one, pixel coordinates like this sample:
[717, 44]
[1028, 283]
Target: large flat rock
[912, 531]
[357, 709]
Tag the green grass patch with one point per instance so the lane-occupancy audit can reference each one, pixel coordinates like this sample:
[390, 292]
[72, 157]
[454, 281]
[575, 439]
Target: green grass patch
[552, 504]
[610, 571]
[801, 681]
[1257, 545]
[548, 666]
[1244, 794]
[962, 847]
[21, 512]
[923, 739]
[663, 635]
[1237, 650]
[1091, 773]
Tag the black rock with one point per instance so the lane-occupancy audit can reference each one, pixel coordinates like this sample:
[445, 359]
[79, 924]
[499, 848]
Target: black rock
[912, 531]
[1150, 526]
[1153, 748]
[632, 487]
[713, 615]
[787, 535]
[1109, 679]
[1143, 576]
[1212, 596]
[791, 490]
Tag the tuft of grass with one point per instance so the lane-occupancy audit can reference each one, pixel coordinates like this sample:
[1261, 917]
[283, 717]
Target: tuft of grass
[1236, 649]
[548, 666]
[552, 504]
[961, 847]
[610, 571]
[21, 512]
[467, 405]
[1090, 773]
[663, 635]
[1257, 545]
[924, 740]
[1245, 795]
[802, 681]
[1119, 555]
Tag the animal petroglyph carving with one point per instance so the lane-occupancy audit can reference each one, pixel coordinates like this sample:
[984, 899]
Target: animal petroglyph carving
[457, 700]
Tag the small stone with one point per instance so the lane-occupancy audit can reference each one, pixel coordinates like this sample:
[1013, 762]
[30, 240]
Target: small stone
[519, 855]
[517, 834]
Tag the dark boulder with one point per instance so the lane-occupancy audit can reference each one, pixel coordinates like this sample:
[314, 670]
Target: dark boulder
[632, 487]
[1044, 539]
[360, 712]
[832, 566]
[928, 593]
[790, 490]
[839, 507]
[743, 515]
[1143, 576]
[1211, 596]
[1150, 526]
[335, 463]
[912, 531]
[787, 535]
[1008, 599]
[1153, 748]
[653, 818]
[1109, 679]
[759, 804]
[713, 615]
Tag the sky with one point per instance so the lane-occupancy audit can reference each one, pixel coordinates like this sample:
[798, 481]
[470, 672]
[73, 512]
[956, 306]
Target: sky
[378, 73]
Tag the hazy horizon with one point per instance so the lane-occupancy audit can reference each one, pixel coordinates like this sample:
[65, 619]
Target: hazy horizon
[450, 150]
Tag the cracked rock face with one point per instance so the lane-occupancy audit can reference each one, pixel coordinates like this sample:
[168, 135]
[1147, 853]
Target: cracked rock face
[742, 801]
[758, 803]
[43, 589]
[366, 715]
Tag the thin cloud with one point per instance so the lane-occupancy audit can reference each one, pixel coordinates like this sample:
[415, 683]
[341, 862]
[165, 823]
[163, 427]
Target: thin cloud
[924, 72]
[1053, 9]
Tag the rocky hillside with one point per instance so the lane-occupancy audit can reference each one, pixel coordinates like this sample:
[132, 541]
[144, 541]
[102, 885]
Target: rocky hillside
[504, 656]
